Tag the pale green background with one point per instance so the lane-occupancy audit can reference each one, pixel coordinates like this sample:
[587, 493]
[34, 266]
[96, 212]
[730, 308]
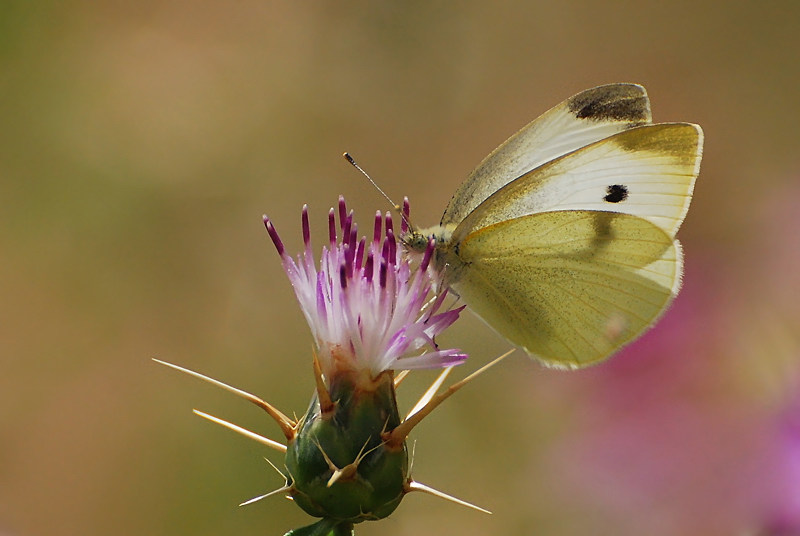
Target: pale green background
[140, 142]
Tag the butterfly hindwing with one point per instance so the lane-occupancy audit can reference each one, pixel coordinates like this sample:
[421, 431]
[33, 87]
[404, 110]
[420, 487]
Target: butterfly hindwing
[583, 119]
[570, 287]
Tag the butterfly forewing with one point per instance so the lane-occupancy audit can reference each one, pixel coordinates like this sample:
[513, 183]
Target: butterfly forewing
[583, 119]
[570, 287]
[647, 171]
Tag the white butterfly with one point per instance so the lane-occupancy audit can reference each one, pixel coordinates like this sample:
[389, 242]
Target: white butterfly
[563, 239]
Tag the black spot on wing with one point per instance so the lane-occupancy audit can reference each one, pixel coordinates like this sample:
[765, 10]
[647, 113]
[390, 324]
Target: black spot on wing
[616, 193]
[615, 102]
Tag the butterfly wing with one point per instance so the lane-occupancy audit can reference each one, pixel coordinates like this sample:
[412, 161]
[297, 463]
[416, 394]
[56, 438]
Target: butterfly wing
[570, 287]
[646, 171]
[583, 119]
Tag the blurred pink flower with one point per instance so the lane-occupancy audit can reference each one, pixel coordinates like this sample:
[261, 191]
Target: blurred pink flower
[659, 445]
[782, 515]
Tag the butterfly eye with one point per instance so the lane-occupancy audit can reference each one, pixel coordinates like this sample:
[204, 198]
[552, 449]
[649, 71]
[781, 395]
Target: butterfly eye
[415, 241]
[616, 193]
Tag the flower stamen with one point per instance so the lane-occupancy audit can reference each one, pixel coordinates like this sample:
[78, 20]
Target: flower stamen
[366, 305]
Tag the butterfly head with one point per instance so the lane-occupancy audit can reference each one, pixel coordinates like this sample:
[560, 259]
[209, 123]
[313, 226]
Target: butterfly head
[416, 240]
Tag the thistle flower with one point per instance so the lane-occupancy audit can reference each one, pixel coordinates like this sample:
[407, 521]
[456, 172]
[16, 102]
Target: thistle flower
[367, 309]
[371, 314]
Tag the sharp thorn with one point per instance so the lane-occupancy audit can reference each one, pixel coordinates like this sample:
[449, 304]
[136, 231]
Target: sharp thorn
[273, 492]
[400, 377]
[339, 474]
[430, 392]
[331, 465]
[287, 425]
[326, 405]
[418, 486]
[280, 447]
[276, 468]
[395, 438]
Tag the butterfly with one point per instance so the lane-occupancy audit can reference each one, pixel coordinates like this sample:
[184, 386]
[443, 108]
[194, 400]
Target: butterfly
[563, 238]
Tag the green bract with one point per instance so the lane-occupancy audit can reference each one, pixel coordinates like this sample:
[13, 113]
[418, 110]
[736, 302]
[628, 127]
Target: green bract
[339, 466]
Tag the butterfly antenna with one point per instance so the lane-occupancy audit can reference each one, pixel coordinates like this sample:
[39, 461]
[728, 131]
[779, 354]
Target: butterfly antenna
[396, 207]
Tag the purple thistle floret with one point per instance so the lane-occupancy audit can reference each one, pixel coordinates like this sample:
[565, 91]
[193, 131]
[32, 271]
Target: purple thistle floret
[368, 310]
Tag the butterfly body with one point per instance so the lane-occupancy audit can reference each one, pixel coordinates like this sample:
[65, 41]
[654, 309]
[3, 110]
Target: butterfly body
[563, 239]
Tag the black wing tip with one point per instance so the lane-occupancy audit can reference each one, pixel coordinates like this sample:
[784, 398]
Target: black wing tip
[612, 102]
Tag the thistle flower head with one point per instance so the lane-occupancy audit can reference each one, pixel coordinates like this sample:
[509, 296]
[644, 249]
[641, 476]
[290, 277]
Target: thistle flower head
[368, 309]
[371, 313]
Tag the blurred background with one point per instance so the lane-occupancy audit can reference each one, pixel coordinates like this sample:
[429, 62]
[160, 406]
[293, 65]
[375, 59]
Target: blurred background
[141, 143]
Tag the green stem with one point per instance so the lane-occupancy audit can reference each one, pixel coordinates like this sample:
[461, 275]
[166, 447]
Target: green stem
[325, 527]
[343, 529]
